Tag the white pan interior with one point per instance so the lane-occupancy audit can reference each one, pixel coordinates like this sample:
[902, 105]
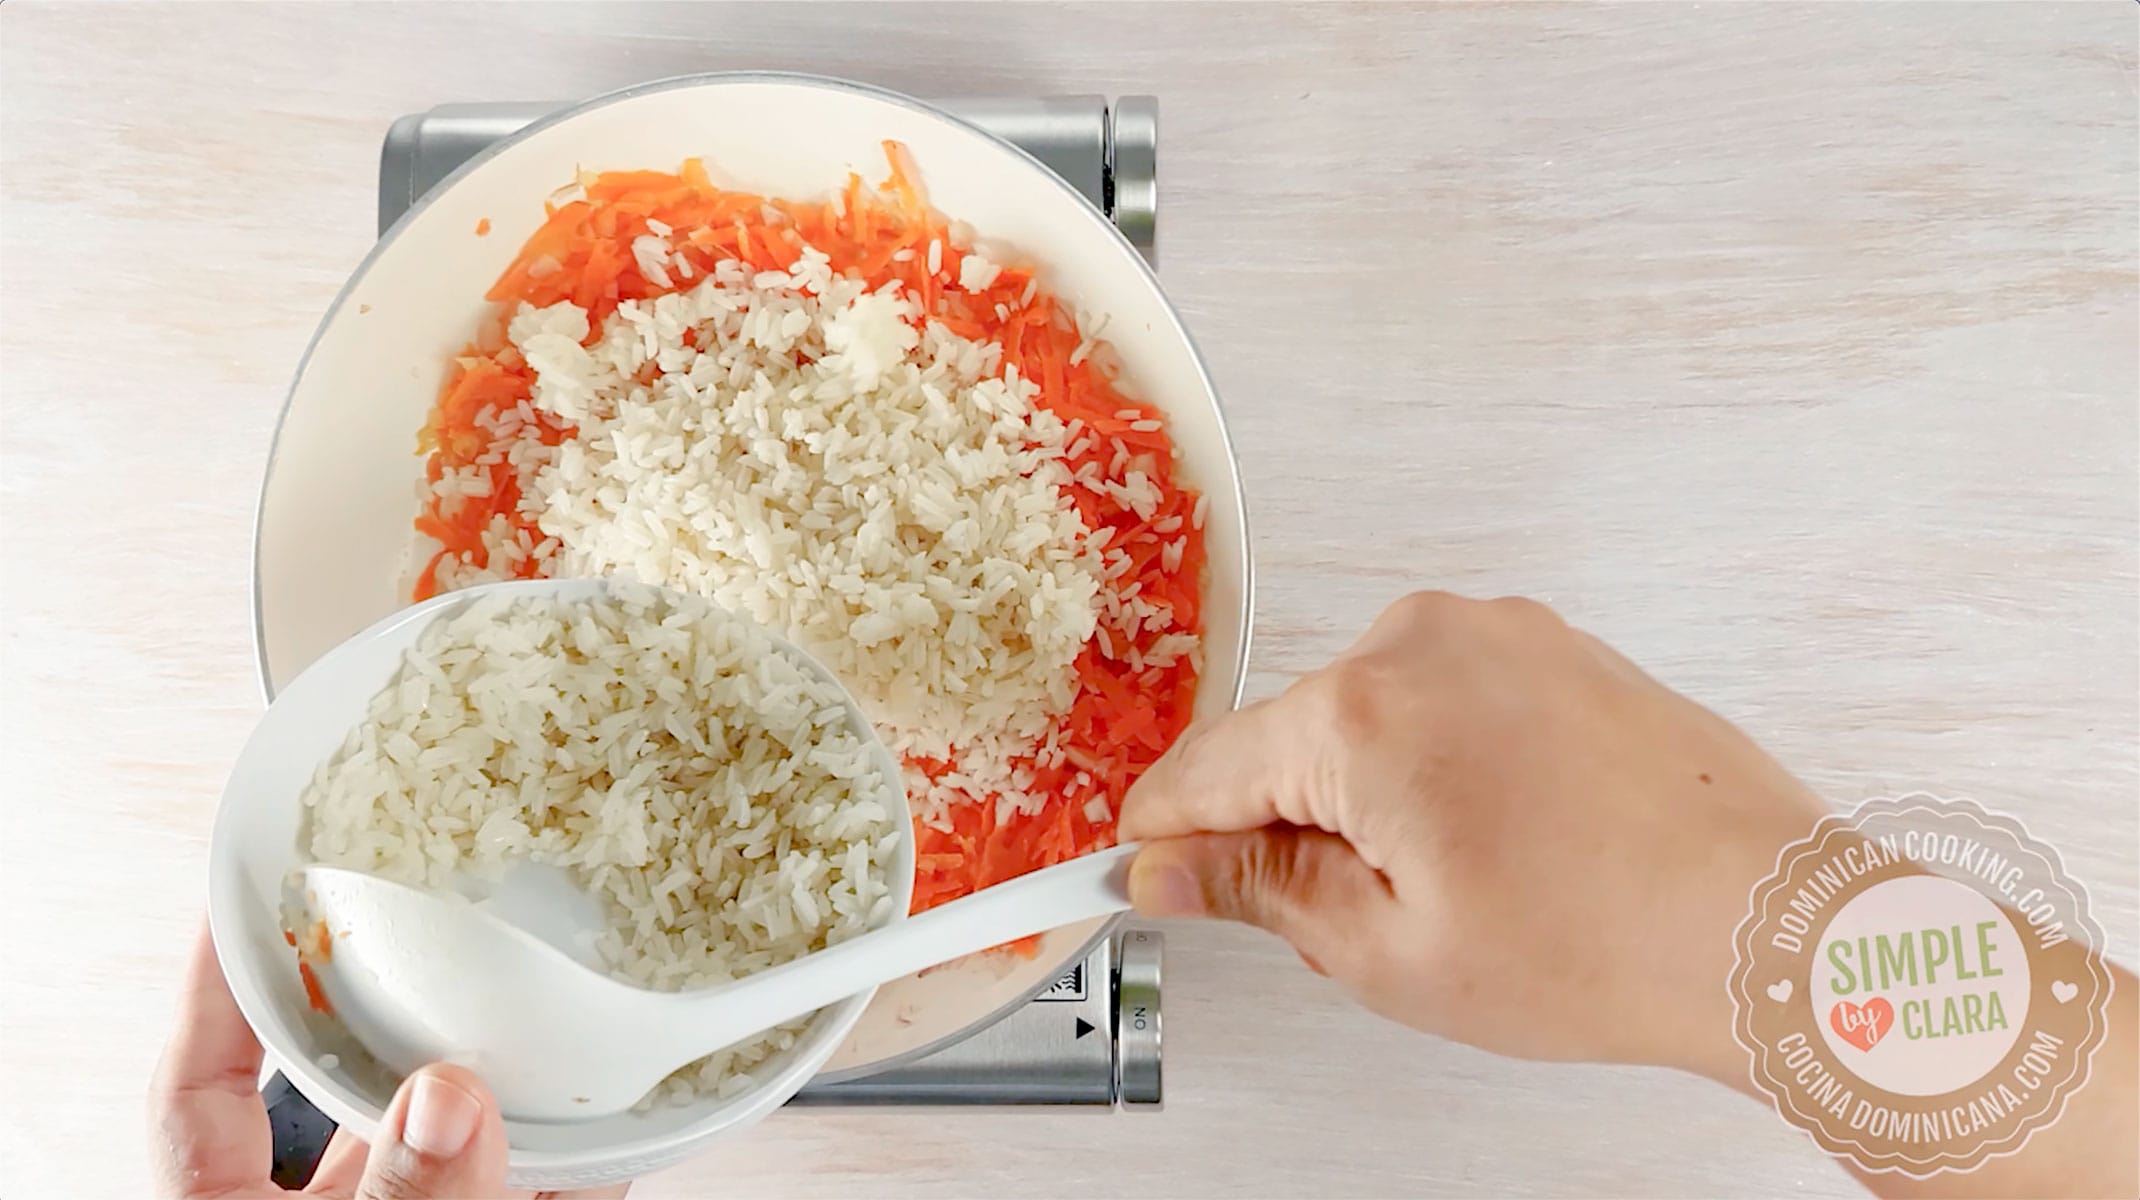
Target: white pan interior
[334, 521]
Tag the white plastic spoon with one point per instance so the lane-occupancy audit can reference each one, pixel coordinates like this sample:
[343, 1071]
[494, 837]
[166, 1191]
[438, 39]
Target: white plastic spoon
[418, 977]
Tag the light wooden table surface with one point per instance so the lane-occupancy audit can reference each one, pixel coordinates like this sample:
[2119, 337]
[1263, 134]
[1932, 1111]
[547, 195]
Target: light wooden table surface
[1793, 349]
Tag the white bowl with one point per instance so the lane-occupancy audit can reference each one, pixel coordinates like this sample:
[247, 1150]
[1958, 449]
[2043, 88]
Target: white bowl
[255, 847]
[333, 530]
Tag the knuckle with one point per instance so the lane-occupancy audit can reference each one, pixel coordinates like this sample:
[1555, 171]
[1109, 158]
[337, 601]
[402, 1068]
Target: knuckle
[1350, 675]
[1347, 697]
[1523, 611]
[1255, 868]
[1415, 609]
[1266, 872]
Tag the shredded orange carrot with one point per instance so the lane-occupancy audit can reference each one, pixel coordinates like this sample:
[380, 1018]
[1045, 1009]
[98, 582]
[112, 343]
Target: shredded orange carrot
[483, 227]
[1121, 718]
[313, 995]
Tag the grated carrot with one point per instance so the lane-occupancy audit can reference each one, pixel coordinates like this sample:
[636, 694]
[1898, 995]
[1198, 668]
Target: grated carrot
[313, 994]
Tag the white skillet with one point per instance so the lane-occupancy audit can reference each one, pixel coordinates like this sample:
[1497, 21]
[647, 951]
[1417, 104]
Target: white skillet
[333, 547]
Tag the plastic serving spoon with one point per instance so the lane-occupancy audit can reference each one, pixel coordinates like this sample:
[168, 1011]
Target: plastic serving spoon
[418, 977]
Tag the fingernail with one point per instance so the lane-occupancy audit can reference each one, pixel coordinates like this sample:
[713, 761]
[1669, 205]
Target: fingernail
[1165, 890]
[442, 1116]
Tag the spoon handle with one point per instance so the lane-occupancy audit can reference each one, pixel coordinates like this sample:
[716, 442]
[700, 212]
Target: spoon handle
[1089, 886]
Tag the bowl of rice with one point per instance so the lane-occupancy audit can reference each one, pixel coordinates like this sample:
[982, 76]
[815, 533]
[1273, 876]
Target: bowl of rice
[832, 360]
[717, 796]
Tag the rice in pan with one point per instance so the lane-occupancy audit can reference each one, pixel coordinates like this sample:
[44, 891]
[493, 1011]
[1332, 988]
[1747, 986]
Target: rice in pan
[845, 420]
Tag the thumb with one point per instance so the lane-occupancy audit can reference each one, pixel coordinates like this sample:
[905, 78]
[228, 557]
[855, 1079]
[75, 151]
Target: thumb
[1305, 885]
[442, 1138]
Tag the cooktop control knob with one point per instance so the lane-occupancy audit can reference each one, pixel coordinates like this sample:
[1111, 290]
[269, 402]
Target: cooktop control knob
[1137, 1081]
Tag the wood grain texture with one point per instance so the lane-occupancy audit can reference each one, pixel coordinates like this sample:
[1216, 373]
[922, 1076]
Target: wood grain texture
[1791, 348]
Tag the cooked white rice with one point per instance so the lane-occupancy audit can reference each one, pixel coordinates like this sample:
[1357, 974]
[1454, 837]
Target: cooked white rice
[791, 446]
[702, 782]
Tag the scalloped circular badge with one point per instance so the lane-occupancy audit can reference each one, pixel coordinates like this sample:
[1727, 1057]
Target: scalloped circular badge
[1920, 985]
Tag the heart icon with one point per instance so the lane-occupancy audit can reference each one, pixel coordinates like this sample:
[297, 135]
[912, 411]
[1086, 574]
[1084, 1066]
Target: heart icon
[1780, 990]
[1862, 1025]
[2063, 991]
